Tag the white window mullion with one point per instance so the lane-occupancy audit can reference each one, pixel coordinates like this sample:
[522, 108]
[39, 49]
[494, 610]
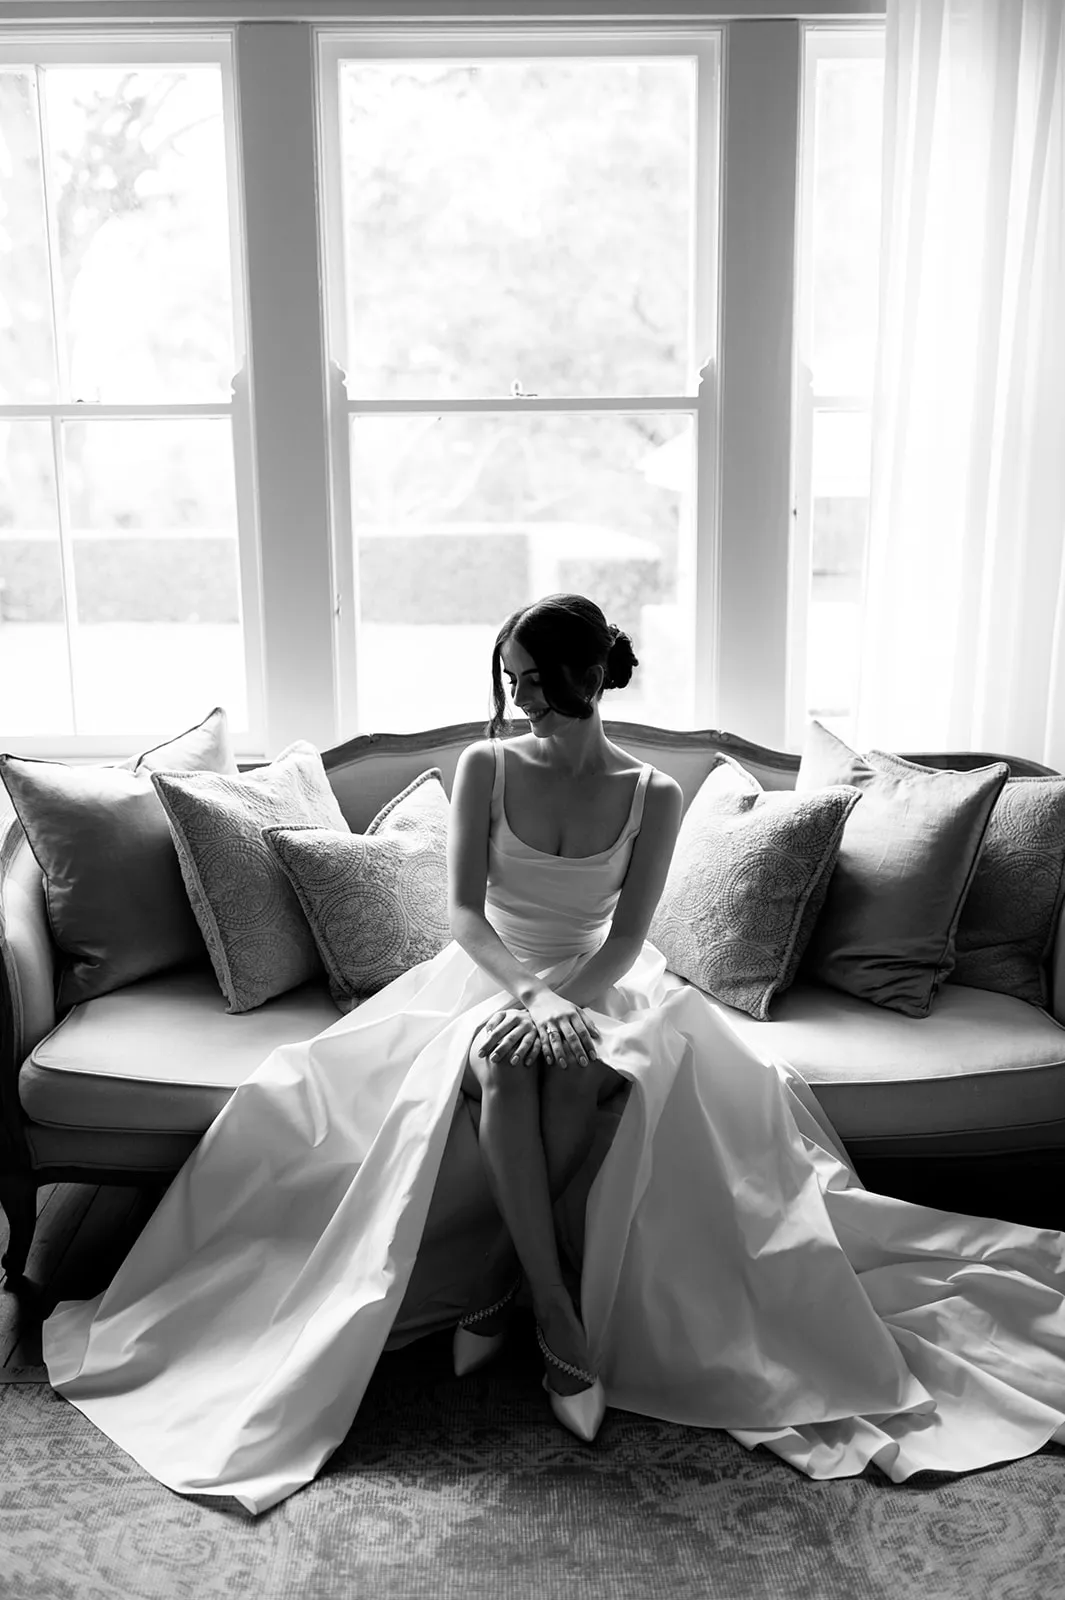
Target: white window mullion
[701, 544]
[758, 242]
[635, 405]
[338, 422]
[247, 508]
[345, 553]
[277, 122]
[66, 564]
[102, 410]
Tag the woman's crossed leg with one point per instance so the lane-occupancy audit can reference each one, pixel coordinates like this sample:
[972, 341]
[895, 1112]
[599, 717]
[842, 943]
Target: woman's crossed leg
[536, 1128]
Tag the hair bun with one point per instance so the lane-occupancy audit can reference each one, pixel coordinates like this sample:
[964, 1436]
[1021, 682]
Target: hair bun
[621, 659]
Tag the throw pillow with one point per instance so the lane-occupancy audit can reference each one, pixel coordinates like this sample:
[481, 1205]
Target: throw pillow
[256, 934]
[906, 862]
[376, 901]
[1011, 912]
[116, 904]
[748, 876]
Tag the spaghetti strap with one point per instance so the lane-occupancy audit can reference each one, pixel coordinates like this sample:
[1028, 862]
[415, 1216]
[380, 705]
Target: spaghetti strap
[498, 780]
[636, 814]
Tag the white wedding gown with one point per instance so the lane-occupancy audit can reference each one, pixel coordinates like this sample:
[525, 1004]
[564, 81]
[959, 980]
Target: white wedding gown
[736, 1273]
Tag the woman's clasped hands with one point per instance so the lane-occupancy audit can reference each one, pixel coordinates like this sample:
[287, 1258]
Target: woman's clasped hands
[550, 1028]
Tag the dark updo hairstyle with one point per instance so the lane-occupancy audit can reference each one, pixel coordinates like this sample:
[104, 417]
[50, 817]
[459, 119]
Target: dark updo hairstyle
[567, 636]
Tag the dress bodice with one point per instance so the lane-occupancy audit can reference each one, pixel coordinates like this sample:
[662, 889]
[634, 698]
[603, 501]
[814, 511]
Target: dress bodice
[545, 907]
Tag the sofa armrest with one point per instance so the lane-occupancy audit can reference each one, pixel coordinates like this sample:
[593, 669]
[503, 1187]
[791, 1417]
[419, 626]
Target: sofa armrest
[1056, 970]
[27, 962]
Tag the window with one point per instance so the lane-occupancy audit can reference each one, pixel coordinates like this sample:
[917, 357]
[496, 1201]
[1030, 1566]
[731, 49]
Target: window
[127, 553]
[321, 347]
[523, 250]
[839, 241]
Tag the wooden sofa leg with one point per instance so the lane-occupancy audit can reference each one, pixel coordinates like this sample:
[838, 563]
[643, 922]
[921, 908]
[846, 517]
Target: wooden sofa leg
[18, 1196]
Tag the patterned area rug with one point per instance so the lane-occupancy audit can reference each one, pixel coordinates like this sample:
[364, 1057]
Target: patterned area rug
[449, 1490]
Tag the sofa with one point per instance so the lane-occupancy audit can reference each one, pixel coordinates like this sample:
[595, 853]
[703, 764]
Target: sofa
[962, 1107]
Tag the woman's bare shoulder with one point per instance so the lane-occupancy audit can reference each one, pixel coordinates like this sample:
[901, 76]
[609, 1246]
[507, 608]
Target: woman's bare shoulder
[475, 768]
[665, 797]
[481, 753]
[659, 783]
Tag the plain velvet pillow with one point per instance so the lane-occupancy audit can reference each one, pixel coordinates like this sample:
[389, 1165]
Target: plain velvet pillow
[909, 852]
[376, 901]
[748, 876]
[251, 921]
[113, 889]
[1010, 915]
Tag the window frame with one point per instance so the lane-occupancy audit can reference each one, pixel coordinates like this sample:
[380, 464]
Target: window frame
[171, 48]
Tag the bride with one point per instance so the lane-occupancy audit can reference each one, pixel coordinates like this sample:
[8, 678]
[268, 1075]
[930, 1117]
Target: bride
[563, 792]
[734, 1272]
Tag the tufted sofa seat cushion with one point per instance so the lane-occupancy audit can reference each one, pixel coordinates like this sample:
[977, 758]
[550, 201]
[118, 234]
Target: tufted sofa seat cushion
[161, 1055]
[980, 1072]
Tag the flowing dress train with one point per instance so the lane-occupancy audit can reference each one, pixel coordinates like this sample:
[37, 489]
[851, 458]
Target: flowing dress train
[736, 1273]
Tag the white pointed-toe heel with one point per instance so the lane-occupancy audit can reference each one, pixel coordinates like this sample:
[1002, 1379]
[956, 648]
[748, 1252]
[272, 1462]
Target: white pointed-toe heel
[471, 1350]
[582, 1413]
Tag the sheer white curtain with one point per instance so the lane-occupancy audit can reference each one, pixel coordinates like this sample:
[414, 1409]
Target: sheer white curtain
[964, 635]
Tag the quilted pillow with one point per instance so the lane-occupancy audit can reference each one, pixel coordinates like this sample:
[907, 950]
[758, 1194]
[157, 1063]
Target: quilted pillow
[906, 862]
[747, 879]
[376, 901]
[116, 904]
[1010, 914]
[256, 934]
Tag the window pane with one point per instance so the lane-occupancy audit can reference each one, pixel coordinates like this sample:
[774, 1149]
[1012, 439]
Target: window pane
[34, 669]
[158, 632]
[837, 320]
[138, 168]
[839, 532]
[27, 346]
[846, 222]
[519, 222]
[459, 520]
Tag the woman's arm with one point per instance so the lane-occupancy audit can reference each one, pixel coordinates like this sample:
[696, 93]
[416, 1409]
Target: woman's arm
[640, 894]
[467, 876]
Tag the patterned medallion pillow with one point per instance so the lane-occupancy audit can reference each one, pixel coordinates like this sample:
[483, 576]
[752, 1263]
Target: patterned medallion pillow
[116, 903]
[748, 876]
[1010, 915]
[256, 934]
[906, 863]
[376, 901]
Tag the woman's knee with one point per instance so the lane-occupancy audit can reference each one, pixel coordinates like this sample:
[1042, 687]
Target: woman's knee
[574, 1096]
[569, 1093]
[504, 1082]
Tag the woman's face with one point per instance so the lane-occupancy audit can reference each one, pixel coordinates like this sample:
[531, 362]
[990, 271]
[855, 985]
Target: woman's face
[523, 685]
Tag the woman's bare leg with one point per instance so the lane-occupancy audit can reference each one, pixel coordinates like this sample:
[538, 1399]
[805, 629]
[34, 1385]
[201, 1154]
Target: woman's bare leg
[569, 1101]
[567, 1129]
[516, 1167]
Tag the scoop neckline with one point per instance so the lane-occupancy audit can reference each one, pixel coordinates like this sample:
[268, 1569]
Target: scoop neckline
[547, 854]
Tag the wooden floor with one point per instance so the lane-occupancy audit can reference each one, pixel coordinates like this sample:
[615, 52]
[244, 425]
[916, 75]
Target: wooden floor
[84, 1231]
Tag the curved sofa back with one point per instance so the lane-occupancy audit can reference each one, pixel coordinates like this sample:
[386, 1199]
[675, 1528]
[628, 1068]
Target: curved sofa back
[367, 771]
